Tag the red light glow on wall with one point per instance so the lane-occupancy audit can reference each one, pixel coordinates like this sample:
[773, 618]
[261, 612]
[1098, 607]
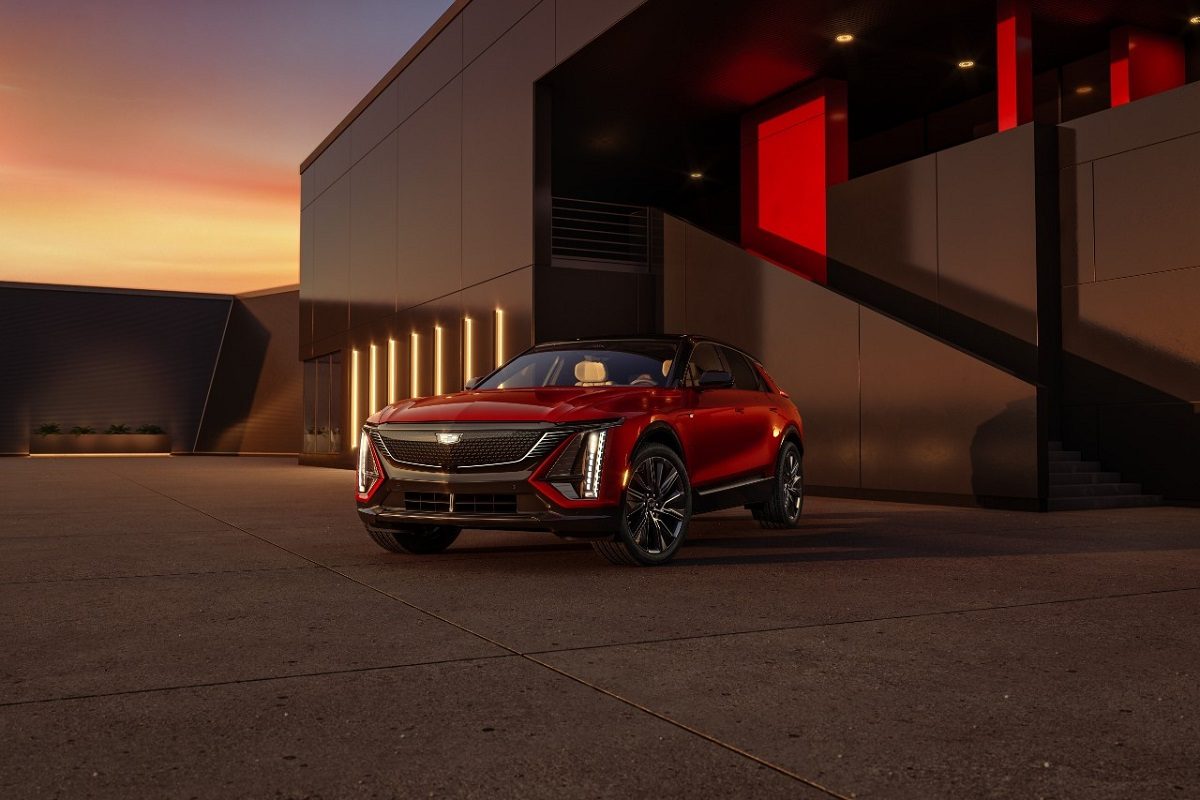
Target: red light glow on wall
[1142, 63]
[1014, 63]
[793, 150]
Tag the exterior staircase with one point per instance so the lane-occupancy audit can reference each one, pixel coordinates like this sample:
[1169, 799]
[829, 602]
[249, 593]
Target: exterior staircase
[1078, 485]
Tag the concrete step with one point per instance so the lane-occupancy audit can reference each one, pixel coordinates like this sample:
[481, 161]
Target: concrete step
[1065, 455]
[1075, 478]
[1095, 489]
[1112, 501]
[1074, 466]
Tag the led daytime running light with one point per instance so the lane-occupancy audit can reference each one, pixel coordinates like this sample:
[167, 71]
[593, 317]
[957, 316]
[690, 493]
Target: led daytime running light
[367, 474]
[593, 463]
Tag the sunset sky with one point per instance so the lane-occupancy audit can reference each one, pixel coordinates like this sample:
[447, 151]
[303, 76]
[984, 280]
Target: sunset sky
[156, 143]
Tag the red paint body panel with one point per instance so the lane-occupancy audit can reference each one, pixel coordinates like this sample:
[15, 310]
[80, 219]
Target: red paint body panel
[1143, 63]
[793, 149]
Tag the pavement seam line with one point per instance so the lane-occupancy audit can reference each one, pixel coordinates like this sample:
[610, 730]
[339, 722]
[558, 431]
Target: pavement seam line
[865, 620]
[259, 679]
[512, 651]
[37, 581]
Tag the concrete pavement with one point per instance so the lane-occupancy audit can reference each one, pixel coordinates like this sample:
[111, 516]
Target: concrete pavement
[222, 627]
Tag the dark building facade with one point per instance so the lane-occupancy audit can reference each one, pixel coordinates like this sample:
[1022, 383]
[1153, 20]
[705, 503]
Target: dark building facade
[217, 373]
[962, 235]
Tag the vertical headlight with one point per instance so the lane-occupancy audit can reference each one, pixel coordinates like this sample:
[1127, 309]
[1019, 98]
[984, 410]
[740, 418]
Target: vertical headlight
[593, 462]
[368, 467]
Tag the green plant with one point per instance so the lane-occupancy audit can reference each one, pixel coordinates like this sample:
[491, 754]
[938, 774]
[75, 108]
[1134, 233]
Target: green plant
[47, 429]
[150, 429]
[117, 429]
[79, 430]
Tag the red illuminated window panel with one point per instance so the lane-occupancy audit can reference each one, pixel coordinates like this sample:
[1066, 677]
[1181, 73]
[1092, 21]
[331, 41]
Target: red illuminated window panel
[793, 149]
[1014, 63]
[1143, 63]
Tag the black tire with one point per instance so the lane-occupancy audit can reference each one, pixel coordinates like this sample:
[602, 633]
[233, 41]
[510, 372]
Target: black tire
[417, 541]
[656, 508]
[786, 503]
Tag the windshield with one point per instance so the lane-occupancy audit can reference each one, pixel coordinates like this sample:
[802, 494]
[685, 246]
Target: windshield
[591, 364]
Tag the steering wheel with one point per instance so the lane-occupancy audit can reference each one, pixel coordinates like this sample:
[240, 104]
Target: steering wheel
[645, 379]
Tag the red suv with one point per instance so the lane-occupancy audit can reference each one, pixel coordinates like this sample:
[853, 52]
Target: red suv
[619, 441]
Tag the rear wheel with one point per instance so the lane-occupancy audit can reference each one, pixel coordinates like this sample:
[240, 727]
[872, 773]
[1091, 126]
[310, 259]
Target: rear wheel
[422, 540]
[655, 510]
[783, 508]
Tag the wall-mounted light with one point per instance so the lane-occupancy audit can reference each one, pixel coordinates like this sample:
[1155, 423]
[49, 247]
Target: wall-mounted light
[1194, 20]
[414, 361]
[844, 38]
[966, 63]
[373, 380]
[437, 360]
[499, 336]
[468, 349]
[393, 370]
[1084, 90]
[353, 400]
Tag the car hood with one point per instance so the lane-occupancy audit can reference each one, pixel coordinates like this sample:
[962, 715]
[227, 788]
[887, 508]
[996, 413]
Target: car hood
[560, 404]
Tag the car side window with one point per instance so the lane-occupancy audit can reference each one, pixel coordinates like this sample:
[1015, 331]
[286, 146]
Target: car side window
[705, 358]
[744, 376]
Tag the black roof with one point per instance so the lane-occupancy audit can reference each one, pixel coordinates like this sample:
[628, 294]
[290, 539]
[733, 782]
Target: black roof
[643, 337]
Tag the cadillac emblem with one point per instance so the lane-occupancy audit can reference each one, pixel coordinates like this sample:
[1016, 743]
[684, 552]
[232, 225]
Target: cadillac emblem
[449, 438]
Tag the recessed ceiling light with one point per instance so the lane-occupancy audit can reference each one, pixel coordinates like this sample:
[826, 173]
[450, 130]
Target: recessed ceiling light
[1084, 90]
[843, 38]
[695, 175]
[1194, 20]
[966, 64]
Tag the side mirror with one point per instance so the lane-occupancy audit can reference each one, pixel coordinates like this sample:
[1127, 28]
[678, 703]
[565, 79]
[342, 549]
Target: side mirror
[471, 384]
[715, 379]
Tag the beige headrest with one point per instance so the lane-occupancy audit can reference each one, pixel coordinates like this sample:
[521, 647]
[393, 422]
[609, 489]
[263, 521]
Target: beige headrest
[590, 372]
[667, 367]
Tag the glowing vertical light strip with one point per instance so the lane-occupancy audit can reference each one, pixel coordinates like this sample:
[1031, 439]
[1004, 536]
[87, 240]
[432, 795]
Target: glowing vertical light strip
[437, 359]
[468, 349]
[354, 425]
[393, 368]
[373, 380]
[499, 336]
[414, 361]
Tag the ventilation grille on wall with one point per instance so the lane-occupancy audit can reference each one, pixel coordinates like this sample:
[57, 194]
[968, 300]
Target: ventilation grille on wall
[587, 233]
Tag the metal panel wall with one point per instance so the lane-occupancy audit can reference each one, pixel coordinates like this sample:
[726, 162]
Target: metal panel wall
[98, 358]
[372, 274]
[1130, 202]
[497, 149]
[429, 208]
[933, 420]
[254, 403]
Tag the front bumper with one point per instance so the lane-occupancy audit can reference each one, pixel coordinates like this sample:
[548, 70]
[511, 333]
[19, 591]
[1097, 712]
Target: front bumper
[497, 501]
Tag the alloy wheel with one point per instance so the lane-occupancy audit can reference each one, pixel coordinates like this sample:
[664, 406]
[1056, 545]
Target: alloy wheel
[655, 505]
[793, 484]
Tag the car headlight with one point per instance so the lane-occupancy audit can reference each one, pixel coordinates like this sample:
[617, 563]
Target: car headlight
[578, 470]
[370, 473]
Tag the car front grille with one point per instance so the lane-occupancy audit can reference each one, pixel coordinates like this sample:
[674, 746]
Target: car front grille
[474, 449]
[460, 503]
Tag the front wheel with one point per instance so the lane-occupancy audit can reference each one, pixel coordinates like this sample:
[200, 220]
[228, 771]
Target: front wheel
[417, 540]
[655, 510]
[783, 508]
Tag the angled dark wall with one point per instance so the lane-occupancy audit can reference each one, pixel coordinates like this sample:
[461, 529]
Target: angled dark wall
[1130, 192]
[254, 403]
[96, 357]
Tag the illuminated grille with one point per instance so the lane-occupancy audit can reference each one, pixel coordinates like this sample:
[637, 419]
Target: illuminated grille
[475, 449]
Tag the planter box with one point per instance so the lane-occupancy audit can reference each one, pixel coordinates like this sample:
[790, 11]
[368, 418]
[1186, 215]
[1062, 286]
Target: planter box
[70, 444]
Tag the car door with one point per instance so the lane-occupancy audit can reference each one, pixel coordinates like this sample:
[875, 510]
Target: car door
[718, 439]
[759, 409]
